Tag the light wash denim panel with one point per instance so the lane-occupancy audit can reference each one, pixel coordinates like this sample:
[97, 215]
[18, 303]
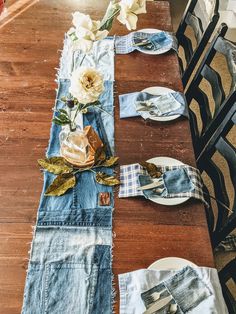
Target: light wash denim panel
[69, 271]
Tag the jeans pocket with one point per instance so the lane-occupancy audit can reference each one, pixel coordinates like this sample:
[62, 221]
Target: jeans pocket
[69, 288]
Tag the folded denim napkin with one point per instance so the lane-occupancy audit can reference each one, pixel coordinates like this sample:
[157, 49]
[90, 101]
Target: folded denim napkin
[186, 288]
[159, 42]
[176, 181]
[151, 106]
[197, 290]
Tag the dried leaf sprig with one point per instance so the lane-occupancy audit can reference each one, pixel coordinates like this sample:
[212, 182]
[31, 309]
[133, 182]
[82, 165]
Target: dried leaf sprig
[66, 172]
[152, 169]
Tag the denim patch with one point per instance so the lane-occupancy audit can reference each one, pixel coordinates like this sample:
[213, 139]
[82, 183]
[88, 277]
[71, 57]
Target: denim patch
[69, 271]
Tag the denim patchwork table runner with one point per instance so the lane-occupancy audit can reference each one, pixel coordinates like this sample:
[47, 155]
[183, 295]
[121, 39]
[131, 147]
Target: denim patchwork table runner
[70, 262]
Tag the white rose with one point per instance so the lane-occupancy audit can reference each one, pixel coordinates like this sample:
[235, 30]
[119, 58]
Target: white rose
[129, 10]
[86, 85]
[85, 32]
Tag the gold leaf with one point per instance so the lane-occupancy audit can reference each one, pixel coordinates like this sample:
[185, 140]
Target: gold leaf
[56, 165]
[100, 155]
[152, 169]
[111, 161]
[106, 179]
[61, 184]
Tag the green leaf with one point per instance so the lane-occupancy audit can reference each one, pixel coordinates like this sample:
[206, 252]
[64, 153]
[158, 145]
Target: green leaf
[61, 184]
[111, 161]
[112, 10]
[152, 169]
[56, 165]
[63, 111]
[64, 99]
[105, 179]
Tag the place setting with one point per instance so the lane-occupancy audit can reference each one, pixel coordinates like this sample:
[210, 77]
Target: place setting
[162, 180]
[171, 285]
[155, 103]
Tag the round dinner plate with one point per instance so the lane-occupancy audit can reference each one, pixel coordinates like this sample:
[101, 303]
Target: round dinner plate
[158, 90]
[167, 161]
[171, 263]
[151, 31]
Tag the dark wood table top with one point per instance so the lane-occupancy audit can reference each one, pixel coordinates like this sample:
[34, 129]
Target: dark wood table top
[29, 53]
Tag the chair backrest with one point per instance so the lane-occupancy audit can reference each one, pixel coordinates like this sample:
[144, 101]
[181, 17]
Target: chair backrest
[202, 16]
[227, 273]
[222, 222]
[221, 103]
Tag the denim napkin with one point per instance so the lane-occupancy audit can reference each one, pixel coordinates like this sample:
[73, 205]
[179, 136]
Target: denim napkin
[150, 106]
[186, 288]
[176, 181]
[139, 288]
[159, 42]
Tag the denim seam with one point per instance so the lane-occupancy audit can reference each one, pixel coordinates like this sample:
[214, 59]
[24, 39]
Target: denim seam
[123, 292]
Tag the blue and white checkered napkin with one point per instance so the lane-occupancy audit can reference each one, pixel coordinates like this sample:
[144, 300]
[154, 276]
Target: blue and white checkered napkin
[150, 106]
[130, 182]
[159, 42]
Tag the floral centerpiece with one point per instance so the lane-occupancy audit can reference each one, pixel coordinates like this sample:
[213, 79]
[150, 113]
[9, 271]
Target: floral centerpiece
[83, 150]
[86, 31]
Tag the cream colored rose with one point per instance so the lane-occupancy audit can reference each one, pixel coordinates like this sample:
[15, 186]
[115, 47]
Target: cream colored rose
[86, 85]
[129, 10]
[85, 32]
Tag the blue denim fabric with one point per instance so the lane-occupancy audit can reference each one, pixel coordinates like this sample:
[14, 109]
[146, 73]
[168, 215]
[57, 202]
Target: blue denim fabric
[159, 42]
[128, 104]
[69, 272]
[186, 288]
[66, 208]
[197, 291]
[172, 182]
[70, 263]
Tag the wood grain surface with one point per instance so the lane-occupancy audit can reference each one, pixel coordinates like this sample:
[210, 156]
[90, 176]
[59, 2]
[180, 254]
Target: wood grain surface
[29, 53]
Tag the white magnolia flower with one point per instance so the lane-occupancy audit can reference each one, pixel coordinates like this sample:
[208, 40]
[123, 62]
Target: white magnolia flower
[85, 32]
[86, 85]
[129, 10]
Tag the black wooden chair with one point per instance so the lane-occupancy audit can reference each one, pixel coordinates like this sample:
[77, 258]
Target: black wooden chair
[221, 103]
[223, 222]
[201, 16]
[227, 273]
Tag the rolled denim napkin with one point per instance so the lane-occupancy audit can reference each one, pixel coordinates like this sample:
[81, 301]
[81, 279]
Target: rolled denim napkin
[150, 106]
[140, 287]
[159, 42]
[184, 181]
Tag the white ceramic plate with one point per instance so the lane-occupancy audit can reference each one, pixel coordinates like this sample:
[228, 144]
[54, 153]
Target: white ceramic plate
[167, 161]
[151, 31]
[171, 263]
[158, 90]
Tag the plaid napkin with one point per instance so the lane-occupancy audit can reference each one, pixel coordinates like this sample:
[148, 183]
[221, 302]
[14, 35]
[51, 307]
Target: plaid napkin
[129, 182]
[155, 42]
[150, 106]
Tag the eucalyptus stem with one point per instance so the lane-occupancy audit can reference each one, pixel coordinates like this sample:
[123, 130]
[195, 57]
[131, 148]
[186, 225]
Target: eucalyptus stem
[102, 110]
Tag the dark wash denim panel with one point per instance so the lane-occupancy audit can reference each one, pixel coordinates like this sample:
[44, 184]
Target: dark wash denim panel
[88, 288]
[79, 206]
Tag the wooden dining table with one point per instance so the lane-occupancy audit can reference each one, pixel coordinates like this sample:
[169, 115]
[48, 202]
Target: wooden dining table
[31, 38]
